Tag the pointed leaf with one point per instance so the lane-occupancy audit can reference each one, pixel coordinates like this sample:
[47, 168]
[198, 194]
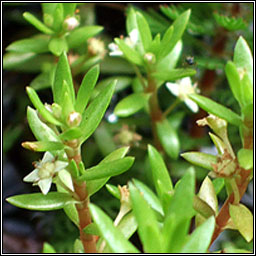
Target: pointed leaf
[200, 239]
[144, 31]
[218, 184]
[40, 202]
[200, 159]
[174, 74]
[243, 57]
[58, 17]
[37, 23]
[42, 146]
[147, 223]
[63, 72]
[107, 169]
[216, 109]
[131, 104]
[94, 185]
[161, 177]
[86, 88]
[71, 134]
[114, 238]
[247, 89]
[113, 190]
[243, 220]
[245, 158]
[168, 138]
[47, 115]
[40, 129]
[35, 45]
[132, 55]
[81, 35]
[92, 229]
[149, 196]
[95, 112]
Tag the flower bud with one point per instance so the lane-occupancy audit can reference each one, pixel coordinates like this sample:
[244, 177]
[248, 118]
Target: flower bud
[70, 23]
[74, 119]
[96, 47]
[150, 58]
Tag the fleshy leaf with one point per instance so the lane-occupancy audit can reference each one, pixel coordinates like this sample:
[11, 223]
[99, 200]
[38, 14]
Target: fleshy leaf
[200, 159]
[131, 104]
[114, 238]
[41, 146]
[58, 45]
[113, 190]
[174, 74]
[40, 202]
[148, 228]
[243, 220]
[216, 109]
[168, 138]
[107, 169]
[245, 158]
[200, 239]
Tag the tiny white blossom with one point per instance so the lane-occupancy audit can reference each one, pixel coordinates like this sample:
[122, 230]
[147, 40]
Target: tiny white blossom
[131, 40]
[44, 172]
[71, 23]
[181, 89]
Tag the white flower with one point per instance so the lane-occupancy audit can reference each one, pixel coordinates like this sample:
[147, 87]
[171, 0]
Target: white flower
[44, 172]
[182, 88]
[71, 23]
[132, 40]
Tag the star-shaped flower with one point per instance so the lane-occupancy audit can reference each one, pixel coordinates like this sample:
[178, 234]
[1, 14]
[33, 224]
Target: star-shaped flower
[44, 172]
[182, 88]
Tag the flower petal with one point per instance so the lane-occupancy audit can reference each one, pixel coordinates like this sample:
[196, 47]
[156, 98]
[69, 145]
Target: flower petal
[192, 105]
[32, 177]
[173, 88]
[48, 157]
[45, 185]
[60, 165]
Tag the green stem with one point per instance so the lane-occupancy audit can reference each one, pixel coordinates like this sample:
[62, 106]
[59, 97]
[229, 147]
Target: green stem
[170, 108]
[139, 75]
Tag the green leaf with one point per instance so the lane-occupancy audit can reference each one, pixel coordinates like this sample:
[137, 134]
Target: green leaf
[42, 146]
[40, 202]
[131, 104]
[91, 229]
[94, 185]
[243, 220]
[148, 228]
[173, 74]
[207, 193]
[95, 112]
[161, 177]
[200, 159]
[80, 35]
[63, 72]
[149, 196]
[69, 9]
[243, 57]
[165, 43]
[47, 115]
[113, 190]
[71, 134]
[200, 239]
[216, 109]
[247, 89]
[58, 17]
[58, 45]
[108, 169]
[14, 60]
[144, 31]
[43, 80]
[168, 138]
[202, 208]
[47, 248]
[128, 225]
[40, 129]
[245, 158]
[132, 55]
[86, 88]
[37, 23]
[234, 81]
[218, 185]
[48, 11]
[182, 206]
[35, 45]
[131, 22]
[78, 246]
[114, 238]
[170, 39]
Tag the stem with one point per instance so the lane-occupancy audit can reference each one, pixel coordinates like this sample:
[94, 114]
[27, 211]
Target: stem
[139, 75]
[88, 240]
[170, 108]
[223, 216]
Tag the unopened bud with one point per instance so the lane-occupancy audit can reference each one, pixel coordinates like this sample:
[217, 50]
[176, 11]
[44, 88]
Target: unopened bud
[74, 119]
[150, 58]
[96, 47]
[70, 23]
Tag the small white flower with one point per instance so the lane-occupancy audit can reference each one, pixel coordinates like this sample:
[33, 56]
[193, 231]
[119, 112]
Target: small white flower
[71, 23]
[131, 40]
[182, 88]
[44, 172]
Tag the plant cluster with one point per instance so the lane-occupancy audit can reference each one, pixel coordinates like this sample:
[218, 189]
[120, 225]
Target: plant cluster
[162, 210]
